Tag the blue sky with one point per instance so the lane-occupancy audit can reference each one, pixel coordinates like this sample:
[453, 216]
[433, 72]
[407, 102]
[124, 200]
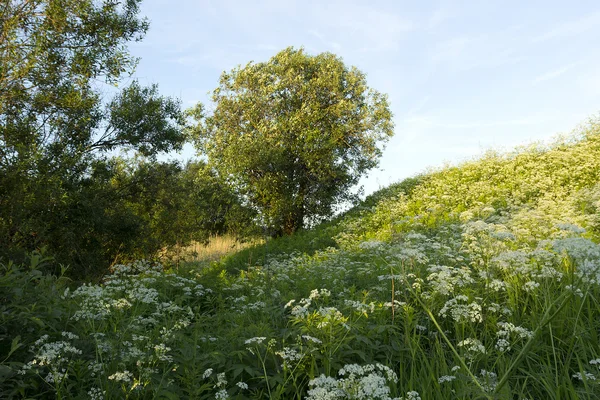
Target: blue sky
[462, 76]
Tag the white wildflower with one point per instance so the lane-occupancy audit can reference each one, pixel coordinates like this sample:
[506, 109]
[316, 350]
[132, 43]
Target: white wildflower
[588, 376]
[412, 395]
[488, 380]
[446, 378]
[530, 286]
[124, 376]
[462, 312]
[311, 339]
[289, 303]
[257, 340]
[472, 346]
[96, 394]
[221, 381]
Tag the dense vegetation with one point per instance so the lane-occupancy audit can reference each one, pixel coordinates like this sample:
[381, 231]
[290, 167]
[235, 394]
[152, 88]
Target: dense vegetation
[62, 190]
[287, 140]
[294, 135]
[475, 281]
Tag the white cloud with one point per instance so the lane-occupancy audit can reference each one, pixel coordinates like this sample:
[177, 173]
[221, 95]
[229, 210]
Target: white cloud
[330, 44]
[555, 73]
[452, 49]
[439, 16]
[465, 53]
[570, 28]
[442, 121]
[364, 27]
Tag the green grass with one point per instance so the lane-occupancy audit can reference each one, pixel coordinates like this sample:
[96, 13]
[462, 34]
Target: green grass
[476, 281]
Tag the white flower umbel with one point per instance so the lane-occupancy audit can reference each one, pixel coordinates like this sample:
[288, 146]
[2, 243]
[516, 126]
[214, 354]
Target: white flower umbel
[446, 378]
[412, 395]
[460, 311]
[473, 347]
[96, 394]
[488, 380]
[589, 376]
[257, 340]
[311, 339]
[316, 294]
[54, 357]
[508, 332]
[444, 279]
[369, 381]
[124, 377]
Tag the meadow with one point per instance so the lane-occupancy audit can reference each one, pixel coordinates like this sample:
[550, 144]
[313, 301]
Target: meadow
[474, 281]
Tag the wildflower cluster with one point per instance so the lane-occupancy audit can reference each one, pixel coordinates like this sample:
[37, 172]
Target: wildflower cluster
[467, 266]
[369, 381]
[52, 358]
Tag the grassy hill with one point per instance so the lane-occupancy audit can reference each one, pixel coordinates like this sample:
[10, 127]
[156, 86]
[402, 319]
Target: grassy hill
[480, 280]
[554, 183]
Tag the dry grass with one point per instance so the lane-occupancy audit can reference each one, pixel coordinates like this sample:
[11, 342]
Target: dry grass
[217, 247]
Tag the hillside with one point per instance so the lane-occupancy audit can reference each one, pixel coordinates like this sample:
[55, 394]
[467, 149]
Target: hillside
[552, 184]
[479, 280]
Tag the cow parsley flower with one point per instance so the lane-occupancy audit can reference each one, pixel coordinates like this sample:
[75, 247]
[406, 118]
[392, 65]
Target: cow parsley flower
[124, 376]
[461, 312]
[506, 332]
[371, 245]
[96, 394]
[317, 294]
[221, 381]
[446, 378]
[359, 382]
[444, 279]
[412, 395]
[289, 355]
[257, 340]
[473, 347]
[488, 380]
[530, 286]
[588, 376]
[311, 339]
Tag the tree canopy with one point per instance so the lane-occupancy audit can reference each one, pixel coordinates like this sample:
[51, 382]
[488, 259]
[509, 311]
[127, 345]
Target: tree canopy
[58, 126]
[293, 135]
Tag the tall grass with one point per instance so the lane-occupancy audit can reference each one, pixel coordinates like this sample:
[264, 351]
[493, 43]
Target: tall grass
[216, 248]
[479, 281]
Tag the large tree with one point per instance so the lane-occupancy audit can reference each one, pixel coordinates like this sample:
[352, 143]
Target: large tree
[57, 59]
[294, 134]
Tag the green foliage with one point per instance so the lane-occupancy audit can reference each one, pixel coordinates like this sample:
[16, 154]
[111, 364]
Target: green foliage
[551, 184]
[140, 119]
[52, 53]
[302, 242]
[294, 134]
[30, 305]
[475, 281]
[462, 300]
[57, 181]
[175, 205]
